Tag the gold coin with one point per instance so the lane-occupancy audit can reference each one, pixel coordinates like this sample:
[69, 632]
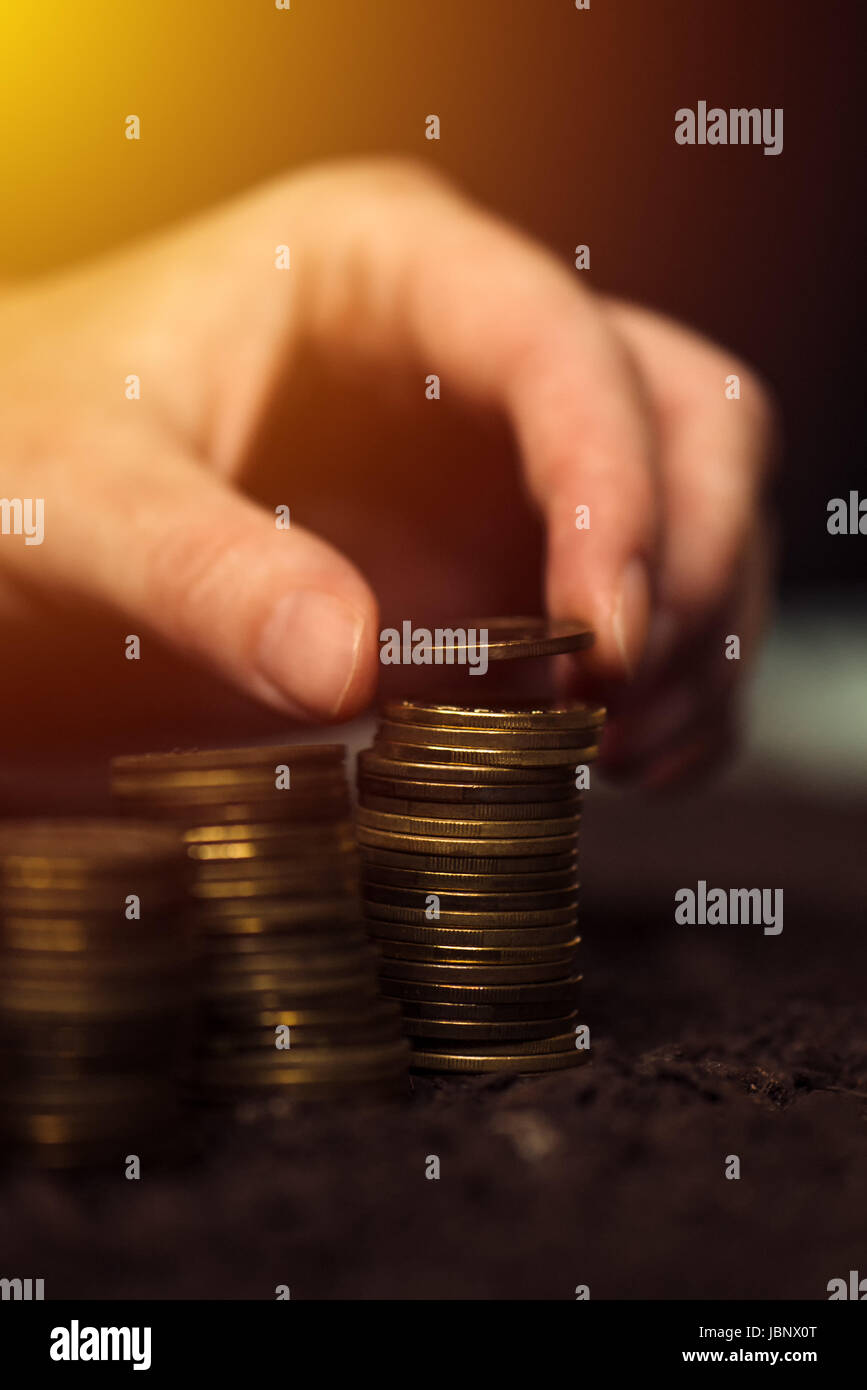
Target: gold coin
[510, 796]
[295, 807]
[297, 983]
[268, 887]
[92, 1039]
[198, 759]
[503, 811]
[444, 862]
[311, 1085]
[300, 945]
[365, 1066]
[470, 973]
[263, 851]
[45, 1127]
[440, 753]
[507, 996]
[122, 1094]
[506, 639]
[351, 1054]
[288, 910]
[288, 988]
[458, 846]
[272, 959]
[310, 1037]
[331, 930]
[512, 740]
[382, 875]
[187, 815]
[417, 916]
[249, 933]
[65, 937]
[94, 971]
[261, 833]
[61, 1006]
[278, 1103]
[41, 851]
[348, 1015]
[467, 901]
[388, 932]
[418, 826]
[452, 771]
[559, 953]
[519, 1062]
[428, 1010]
[486, 1030]
[296, 978]
[297, 878]
[99, 909]
[50, 1067]
[267, 779]
[474, 1047]
[565, 714]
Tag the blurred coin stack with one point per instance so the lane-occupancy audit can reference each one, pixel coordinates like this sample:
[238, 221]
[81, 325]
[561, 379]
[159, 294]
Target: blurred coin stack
[468, 826]
[95, 990]
[290, 1005]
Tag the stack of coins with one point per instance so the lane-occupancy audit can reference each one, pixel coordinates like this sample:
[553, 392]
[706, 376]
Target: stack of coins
[290, 1005]
[95, 990]
[468, 827]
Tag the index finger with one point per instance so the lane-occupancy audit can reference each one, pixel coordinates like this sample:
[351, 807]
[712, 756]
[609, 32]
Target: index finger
[396, 266]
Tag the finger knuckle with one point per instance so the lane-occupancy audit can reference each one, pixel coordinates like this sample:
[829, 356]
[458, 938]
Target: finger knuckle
[381, 176]
[400, 174]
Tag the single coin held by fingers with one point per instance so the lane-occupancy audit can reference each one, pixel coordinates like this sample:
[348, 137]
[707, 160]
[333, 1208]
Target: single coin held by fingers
[506, 639]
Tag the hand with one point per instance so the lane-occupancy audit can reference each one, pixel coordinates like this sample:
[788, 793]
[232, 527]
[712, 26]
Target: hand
[393, 276]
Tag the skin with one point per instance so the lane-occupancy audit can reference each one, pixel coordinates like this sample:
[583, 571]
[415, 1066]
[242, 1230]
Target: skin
[609, 406]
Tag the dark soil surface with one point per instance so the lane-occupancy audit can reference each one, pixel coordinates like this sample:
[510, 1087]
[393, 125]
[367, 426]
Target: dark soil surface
[707, 1042]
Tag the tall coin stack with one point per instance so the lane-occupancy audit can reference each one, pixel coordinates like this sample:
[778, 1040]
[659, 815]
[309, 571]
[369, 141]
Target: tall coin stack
[290, 1005]
[468, 828]
[95, 990]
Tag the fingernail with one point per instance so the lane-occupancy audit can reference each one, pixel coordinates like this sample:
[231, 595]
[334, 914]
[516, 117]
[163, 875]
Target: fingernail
[630, 614]
[310, 649]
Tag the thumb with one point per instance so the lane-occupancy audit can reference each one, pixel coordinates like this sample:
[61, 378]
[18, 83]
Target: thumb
[280, 612]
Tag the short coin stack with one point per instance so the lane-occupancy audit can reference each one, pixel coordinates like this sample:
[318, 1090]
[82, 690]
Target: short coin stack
[95, 990]
[468, 828]
[290, 1005]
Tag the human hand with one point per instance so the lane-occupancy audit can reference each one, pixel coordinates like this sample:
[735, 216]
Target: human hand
[394, 274]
